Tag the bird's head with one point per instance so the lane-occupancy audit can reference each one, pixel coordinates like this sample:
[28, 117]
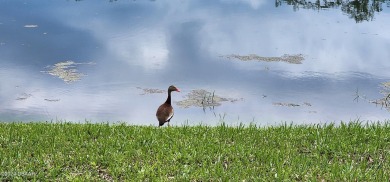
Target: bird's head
[173, 88]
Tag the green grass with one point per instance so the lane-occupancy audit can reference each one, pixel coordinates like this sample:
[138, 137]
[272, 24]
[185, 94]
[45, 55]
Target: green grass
[64, 151]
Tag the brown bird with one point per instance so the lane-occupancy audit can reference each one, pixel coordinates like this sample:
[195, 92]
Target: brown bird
[165, 111]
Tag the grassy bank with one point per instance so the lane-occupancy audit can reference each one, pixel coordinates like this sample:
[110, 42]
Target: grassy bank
[67, 151]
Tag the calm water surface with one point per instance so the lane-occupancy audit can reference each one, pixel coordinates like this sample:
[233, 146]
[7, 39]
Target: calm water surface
[110, 61]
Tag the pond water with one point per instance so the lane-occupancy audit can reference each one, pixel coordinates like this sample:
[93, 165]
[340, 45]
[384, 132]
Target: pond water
[261, 61]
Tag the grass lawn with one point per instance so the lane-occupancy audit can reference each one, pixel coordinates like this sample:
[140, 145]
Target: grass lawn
[117, 152]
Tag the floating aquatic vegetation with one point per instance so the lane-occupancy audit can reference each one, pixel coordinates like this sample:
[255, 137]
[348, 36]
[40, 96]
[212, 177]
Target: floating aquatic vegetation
[290, 104]
[24, 96]
[151, 91]
[386, 85]
[66, 71]
[292, 59]
[383, 102]
[52, 100]
[285, 104]
[203, 98]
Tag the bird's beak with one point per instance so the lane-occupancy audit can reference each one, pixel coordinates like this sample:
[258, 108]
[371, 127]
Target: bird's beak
[177, 90]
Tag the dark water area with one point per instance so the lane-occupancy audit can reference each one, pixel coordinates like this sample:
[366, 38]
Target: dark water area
[260, 61]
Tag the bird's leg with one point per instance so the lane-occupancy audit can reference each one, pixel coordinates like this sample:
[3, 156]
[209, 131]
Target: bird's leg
[168, 123]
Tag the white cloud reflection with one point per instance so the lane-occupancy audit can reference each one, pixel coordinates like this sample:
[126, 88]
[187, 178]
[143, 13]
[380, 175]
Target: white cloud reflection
[148, 49]
[331, 41]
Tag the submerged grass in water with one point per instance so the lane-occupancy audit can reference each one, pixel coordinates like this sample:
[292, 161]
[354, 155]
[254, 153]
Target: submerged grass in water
[64, 151]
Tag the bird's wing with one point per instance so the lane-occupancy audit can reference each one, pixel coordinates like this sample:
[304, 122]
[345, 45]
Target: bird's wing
[170, 115]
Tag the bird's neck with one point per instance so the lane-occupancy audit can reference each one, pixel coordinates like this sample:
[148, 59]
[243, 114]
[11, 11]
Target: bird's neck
[169, 98]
